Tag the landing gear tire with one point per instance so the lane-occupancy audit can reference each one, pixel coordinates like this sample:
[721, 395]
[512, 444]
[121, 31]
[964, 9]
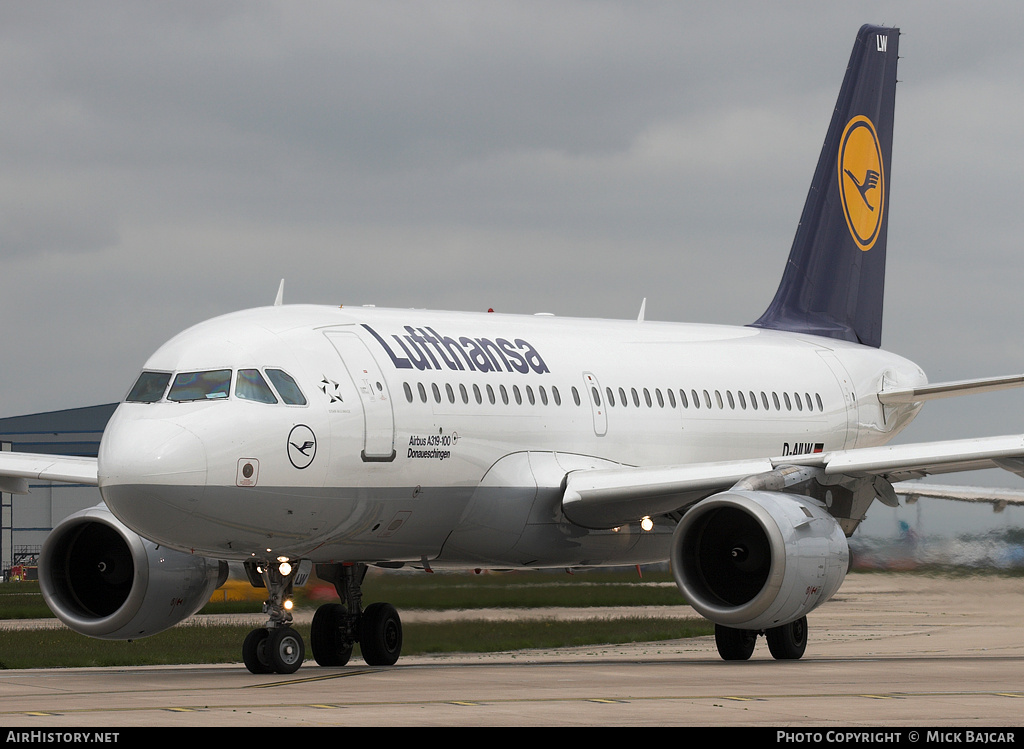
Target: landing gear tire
[285, 650]
[789, 641]
[327, 638]
[254, 652]
[735, 644]
[380, 635]
[268, 651]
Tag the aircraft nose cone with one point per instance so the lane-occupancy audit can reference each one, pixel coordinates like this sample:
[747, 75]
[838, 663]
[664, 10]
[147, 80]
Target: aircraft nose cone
[152, 473]
[150, 451]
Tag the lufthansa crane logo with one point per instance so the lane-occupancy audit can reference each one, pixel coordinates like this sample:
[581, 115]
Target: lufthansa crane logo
[301, 446]
[861, 181]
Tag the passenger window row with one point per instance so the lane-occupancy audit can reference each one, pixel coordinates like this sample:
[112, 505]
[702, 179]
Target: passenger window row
[488, 394]
[615, 397]
[740, 400]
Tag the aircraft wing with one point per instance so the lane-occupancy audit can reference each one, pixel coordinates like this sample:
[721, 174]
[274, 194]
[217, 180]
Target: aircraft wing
[17, 468]
[610, 497]
[997, 497]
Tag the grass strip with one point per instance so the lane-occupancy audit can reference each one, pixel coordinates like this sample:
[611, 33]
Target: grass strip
[206, 643]
[419, 590]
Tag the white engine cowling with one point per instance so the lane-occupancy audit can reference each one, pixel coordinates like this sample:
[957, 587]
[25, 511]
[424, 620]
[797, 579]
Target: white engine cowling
[105, 581]
[755, 560]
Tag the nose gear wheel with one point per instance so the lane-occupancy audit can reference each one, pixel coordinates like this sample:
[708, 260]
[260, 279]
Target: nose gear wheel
[275, 647]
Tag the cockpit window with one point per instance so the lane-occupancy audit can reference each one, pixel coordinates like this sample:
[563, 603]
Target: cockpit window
[287, 387]
[196, 386]
[251, 386]
[149, 388]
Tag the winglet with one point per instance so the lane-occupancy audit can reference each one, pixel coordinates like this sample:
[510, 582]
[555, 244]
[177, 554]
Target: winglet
[280, 295]
[835, 276]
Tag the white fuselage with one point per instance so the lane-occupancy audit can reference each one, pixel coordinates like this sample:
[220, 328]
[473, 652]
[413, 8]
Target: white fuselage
[442, 438]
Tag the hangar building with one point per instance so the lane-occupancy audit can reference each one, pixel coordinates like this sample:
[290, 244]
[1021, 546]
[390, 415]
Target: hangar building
[26, 520]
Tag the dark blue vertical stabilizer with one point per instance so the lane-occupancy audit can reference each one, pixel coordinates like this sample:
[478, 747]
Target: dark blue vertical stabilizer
[835, 277]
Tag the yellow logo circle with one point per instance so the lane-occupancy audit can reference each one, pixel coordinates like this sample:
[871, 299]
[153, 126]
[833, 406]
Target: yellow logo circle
[861, 181]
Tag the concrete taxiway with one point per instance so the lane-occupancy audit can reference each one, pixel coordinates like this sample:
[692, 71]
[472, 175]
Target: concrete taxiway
[888, 650]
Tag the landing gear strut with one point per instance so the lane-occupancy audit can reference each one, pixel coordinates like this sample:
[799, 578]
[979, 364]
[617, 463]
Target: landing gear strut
[338, 626]
[275, 647]
[787, 642]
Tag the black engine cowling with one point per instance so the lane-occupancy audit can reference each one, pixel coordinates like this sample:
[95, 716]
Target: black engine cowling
[755, 560]
[105, 581]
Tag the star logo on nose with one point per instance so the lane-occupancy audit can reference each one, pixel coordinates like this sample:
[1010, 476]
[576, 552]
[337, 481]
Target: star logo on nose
[331, 389]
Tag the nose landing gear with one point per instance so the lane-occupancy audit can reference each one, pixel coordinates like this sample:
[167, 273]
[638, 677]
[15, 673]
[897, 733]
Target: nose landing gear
[276, 647]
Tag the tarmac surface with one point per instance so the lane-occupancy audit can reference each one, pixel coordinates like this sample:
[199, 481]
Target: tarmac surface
[889, 650]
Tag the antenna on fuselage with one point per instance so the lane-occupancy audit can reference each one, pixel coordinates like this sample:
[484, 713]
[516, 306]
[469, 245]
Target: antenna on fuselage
[643, 306]
[280, 295]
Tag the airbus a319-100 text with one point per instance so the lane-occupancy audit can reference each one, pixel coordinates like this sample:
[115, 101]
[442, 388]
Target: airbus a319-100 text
[291, 436]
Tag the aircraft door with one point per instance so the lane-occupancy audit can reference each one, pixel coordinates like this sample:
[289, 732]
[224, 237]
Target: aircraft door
[597, 405]
[378, 414]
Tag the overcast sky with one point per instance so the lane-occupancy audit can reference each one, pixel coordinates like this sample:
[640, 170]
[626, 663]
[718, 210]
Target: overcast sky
[162, 163]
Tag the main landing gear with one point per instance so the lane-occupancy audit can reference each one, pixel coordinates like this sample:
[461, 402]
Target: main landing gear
[336, 628]
[787, 642]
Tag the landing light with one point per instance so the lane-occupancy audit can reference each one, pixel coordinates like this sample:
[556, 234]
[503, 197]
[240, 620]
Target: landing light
[646, 523]
[285, 568]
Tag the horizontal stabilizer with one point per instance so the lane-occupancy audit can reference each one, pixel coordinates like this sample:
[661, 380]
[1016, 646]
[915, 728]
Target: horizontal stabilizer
[950, 389]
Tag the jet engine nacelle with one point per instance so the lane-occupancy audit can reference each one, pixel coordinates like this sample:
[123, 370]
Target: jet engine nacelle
[105, 581]
[755, 560]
